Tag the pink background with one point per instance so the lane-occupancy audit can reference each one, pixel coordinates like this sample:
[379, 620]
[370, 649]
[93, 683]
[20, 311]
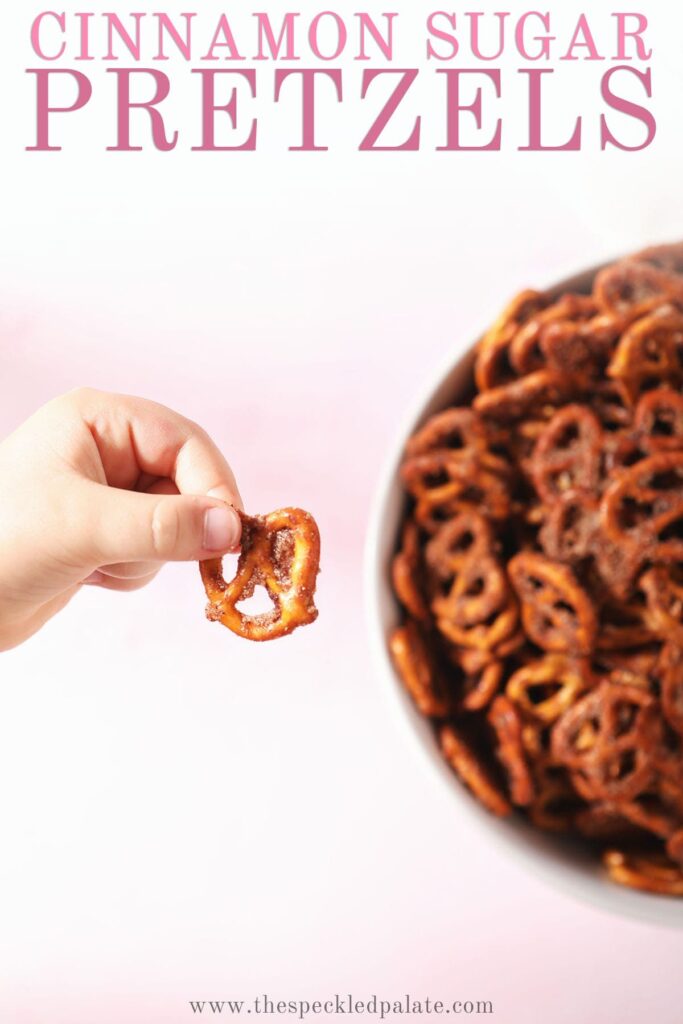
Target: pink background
[185, 815]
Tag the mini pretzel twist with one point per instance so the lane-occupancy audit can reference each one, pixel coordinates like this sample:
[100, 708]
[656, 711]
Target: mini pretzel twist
[473, 771]
[606, 740]
[663, 612]
[451, 430]
[623, 625]
[554, 804]
[567, 454]
[446, 482]
[546, 688]
[649, 352]
[674, 847]
[480, 688]
[529, 346]
[556, 612]
[518, 398]
[650, 873]
[607, 401]
[668, 257]
[466, 536]
[478, 611]
[540, 568]
[643, 508]
[658, 420]
[506, 722]
[631, 288]
[635, 667]
[605, 822]
[281, 552]
[492, 352]
[407, 574]
[570, 527]
[649, 812]
[479, 590]
[671, 678]
[417, 668]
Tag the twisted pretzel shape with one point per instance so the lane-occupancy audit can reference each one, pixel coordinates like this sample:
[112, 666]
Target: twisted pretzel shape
[281, 552]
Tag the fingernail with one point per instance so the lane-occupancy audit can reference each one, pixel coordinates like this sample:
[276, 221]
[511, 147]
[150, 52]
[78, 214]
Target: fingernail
[222, 529]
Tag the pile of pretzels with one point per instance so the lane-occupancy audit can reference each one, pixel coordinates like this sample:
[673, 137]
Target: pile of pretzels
[540, 568]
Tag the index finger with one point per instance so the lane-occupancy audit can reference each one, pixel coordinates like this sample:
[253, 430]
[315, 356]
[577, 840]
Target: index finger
[135, 436]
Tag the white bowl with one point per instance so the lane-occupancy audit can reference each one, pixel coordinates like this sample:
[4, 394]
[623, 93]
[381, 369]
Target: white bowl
[566, 864]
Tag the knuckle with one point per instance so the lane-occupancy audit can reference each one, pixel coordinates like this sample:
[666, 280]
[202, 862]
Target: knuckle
[191, 426]
[81, 394]
[198, 434]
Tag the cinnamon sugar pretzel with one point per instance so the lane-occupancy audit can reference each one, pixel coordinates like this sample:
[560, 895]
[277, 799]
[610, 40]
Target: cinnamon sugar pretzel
[540, 571]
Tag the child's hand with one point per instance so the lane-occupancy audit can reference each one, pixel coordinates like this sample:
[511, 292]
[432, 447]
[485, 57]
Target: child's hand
[102, 489]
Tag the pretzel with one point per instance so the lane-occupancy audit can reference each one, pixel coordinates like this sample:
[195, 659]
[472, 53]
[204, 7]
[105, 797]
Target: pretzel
[406, 573]
[536, 390]
[621, 450]
[484, 636]
[479, 591]
[527, 349]
[616, 563]
[658, 420]
[556, 612]
[522, 437]
[554, 804]
[605, 822]
[643, 507]
[492, 351]
[417, 669]
[649, 352]
[281, 552]
[472, 604]
[674, 847]
[664, 608]
[567, 454]
[634, 667]
[544, 689]
[650, 813]
[476, 657]
[446, 482]
[607, 401]
[540, 568]
[507, 725]
[623, 625]
[606, 740]
[577, 348]
[480, 688]
[453, 430]
[465, 763]
[536, 742]
[631, 287]
[648, 873]
[467, 535]
[570, 527]
[671, 678]
[667, 257]
[667, 758]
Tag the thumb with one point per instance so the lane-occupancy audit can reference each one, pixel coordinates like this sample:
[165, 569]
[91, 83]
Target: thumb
[128, 526]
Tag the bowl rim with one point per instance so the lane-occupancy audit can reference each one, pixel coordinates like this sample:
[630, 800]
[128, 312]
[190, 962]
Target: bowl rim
[557, 863]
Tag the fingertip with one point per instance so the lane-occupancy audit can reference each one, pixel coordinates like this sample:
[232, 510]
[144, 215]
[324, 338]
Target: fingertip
[228, 494]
